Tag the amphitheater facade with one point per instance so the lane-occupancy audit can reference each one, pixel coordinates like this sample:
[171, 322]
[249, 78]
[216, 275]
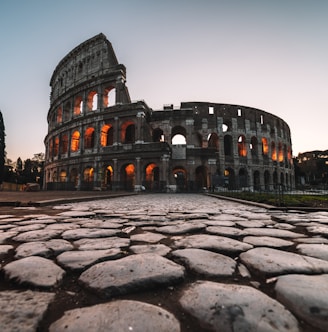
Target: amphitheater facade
[98, 139]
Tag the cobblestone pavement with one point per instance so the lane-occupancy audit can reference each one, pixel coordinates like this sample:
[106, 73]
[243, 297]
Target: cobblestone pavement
[164, 262]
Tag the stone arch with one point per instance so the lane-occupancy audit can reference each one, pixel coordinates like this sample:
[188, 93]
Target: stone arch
[64, 144]
[267, 180]
[280, 153]
[158, 135]
[229, 178]
[62, 176]
[128, 176]
[107, 177]
[109, 97]
[273, 151]
[254, 147]
[177, 134]
[213, 141]
[180, 176]
[92, 101]
[128, 132]
[242, 177]
[265, 146]
[201, 179]
[242, 149]
[59, 115]
[107, 135]
[256, 181]
[75, 141]
[67, 111]
[228, 145]
[151, 177]
[56, 146]
[78, 105]
[89, 138]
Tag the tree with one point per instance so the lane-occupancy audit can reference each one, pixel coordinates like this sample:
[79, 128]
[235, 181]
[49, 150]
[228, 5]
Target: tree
[2, 148]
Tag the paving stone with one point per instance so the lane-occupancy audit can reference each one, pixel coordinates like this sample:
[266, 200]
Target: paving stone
[32, 249]
[212, 242]
[315, 239]
[228, 308]
[35, 271]
[79, 260]
[322, 230]
[252, 223]
[124, 315]
[185, 227]
[158, 249]
[101, 224]
[314, 250]
[102, 243]
[147, 237]
[22, 311]
[271, 262]
[306, 296]
[206, 262]
[7, 236]
[213, 222]
[29, 227]
[76, 213]
[267, 241]
[132, 273]
[225, 231]
[38, 235]
[5, 249]
[272, 232]
[62, 226]
[58, 246]
[75, 234]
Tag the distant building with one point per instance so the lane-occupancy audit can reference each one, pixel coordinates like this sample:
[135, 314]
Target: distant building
[99, 139]
[311, 169]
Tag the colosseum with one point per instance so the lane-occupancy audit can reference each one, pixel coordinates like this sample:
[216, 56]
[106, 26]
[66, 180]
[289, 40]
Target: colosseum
[98, 139]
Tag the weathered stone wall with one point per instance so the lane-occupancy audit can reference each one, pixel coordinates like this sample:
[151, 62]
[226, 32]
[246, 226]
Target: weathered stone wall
[98, 138]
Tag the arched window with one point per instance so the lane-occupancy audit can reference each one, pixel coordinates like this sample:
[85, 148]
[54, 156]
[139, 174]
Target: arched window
[67, 111]
[62, 176]
[273, 151]
[178, 139]
[254, 146]
[178, 135]
[56, 146]
[78, 105]
[89, 138]
[64, 143]
[213, 141]
[242, 150]
[280, 153]
[106, 135]
[75, 142]
[59, 115]
[88, 174]
[128, 132]
[92, 102]
[109, 97]
[265, 146]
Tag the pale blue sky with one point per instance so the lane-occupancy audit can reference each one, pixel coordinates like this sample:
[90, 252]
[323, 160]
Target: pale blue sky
[267, 54]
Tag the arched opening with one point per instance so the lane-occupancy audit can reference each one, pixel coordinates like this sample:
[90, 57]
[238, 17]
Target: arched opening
[50, 150]
[242, 150]
[62, 176]
[128, 177]
[273, 152]
[228, 146]
[88, 174]
[151, 177]
[280, 153]
[254, 147]
[92, 101]
[256, 179]
[59, 115]
[180, 176]
[64, 143]
[108, 175]
[56, 146]
[75, 141]
[67, 111]
[109, 97]
[242, 177]
[158, 135]
[213, 141]
[89, 138]
[267, 180]
[78, 105]
[73, 177]
[128, 132]
[226, 125]
[201, 180]
[107, 135]
[178, 136]
[265, 146]
[229, 178]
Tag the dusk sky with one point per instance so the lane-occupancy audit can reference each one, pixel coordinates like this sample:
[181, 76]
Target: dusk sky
[271, 55]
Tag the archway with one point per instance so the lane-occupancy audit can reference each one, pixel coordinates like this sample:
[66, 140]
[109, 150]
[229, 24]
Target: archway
[151, 177]
[128, 177]
[201, 180]
[180, 176]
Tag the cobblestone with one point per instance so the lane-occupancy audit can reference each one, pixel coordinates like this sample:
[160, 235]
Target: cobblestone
[165, 262]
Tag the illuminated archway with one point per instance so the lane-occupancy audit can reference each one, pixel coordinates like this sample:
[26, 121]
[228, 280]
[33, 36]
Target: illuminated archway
[151, 176]
[88, 174]
[108, 175]
[75, 141]
[128, 177]
[89, 138]
[106, 135]
[128, 132]
[180, 176]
